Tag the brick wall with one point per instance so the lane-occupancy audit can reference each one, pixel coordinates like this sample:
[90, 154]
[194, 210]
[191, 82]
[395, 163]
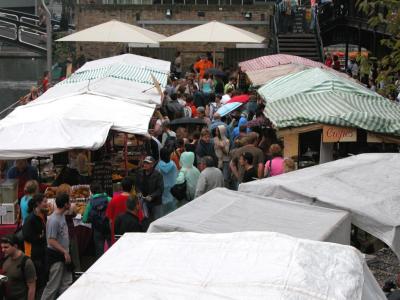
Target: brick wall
[88, 15]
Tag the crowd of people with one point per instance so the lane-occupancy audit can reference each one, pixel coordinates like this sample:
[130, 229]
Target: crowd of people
[180, 165]
[36, 91]
[368, 72]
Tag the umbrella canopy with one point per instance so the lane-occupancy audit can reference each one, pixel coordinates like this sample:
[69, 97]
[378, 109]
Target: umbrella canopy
[184, 121]
[258, 122]
[215, 32]
[228, 108]
[80, 111]
[274, 60]
[319, 96]
[240, 98]
[266, 68]
[114, 32]
[260, 77]
[215, 72]
[134, 77]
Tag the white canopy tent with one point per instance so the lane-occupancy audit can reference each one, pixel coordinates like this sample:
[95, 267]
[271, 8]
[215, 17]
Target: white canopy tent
[365, 185]
[215, 32]
[126, 76]
[223, 211]
[114, 93]
[115, 32]
[243, 265]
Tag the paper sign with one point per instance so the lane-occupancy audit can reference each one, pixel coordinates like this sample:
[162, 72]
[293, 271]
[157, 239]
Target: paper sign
[3, 210]
[333, 134]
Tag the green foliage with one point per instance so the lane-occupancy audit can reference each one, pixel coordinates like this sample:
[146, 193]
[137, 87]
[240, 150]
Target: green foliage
[62, 50]
[385, 14]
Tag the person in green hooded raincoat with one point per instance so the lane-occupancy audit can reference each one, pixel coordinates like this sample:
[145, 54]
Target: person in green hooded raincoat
[188, 173]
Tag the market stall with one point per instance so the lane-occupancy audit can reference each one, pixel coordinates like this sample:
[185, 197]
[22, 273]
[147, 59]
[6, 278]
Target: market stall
[117, 93]
[324, 110]
[244, 265]
[263, 69]
[366, 185]
[222, 210]
[108, 102]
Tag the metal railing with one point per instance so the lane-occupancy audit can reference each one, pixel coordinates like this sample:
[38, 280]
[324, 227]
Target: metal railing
[185, 2]
[319, 37]
[274, 21]
[28, 34]
[27, 18]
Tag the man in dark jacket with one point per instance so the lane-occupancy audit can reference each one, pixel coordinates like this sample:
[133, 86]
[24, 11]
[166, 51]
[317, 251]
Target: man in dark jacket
[149, 182]
[34, 233]
[128, 221]
[205, 147]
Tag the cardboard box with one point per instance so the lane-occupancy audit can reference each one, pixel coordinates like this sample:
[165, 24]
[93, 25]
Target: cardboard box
[9, 213]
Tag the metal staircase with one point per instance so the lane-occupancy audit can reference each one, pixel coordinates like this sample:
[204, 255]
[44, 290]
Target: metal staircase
[292, 35]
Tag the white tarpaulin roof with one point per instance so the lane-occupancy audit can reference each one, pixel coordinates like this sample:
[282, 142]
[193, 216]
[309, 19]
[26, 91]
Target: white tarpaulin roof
[222, 211]
[366, 185]
[126, 76]
[80, 111]
[244, 265]
[77, 122]
[215, 32]
[114, 31]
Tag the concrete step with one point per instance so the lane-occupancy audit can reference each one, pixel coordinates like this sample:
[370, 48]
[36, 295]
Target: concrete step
[295, 43]
[294, 40]
[302, 51]
[297, 36]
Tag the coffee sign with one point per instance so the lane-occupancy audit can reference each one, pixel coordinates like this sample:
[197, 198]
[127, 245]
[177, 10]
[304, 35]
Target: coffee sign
[334, 134]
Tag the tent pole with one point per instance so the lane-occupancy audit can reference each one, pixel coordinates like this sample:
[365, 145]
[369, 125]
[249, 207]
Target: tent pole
[214, 57]
[126, 153]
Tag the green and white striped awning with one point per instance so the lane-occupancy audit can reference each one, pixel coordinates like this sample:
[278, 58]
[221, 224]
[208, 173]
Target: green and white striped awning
[318, 96]
[120, 71]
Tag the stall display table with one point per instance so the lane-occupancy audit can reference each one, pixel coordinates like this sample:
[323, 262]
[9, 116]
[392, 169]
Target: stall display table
[7, 229]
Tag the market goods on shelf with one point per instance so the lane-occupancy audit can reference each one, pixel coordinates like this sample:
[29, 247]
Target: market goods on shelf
[116, 177]
[80, 193]
[80, 207]
[50, 192]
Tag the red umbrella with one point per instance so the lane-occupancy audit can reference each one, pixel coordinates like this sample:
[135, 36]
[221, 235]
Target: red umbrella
[240, 98]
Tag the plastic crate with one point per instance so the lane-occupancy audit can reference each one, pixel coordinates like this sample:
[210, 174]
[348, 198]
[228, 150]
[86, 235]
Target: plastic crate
[9, 191]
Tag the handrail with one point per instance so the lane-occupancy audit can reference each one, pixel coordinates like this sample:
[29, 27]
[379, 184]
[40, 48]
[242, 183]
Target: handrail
[18, 23]
[274, 29]
[20, 15]
[318, 36]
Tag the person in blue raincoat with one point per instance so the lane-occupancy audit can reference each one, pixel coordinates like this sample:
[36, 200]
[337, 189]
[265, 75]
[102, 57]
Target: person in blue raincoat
[168, 170]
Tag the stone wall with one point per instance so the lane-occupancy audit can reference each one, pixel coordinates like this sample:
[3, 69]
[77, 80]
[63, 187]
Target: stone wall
[153, 17]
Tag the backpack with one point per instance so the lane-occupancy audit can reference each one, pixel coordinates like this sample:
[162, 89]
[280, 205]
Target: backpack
[97, 214]
[3, 290]
[170, 143]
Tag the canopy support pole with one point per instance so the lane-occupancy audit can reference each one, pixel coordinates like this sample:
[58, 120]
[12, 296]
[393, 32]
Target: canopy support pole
[126, 153]
[214, 59]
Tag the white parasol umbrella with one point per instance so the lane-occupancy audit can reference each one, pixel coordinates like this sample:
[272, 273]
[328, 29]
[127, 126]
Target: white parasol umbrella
[215, 32]
[114, 32]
